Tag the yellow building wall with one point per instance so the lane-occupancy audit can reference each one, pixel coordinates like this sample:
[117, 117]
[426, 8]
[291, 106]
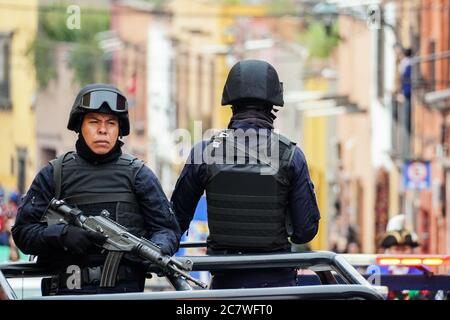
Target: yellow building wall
[198, 25]
[17, 125]
[315, 152]
[223, 114]
[228, 16]
[314, 146]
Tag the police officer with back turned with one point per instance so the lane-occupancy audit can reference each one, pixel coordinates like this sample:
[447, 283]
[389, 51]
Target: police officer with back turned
[258, 189]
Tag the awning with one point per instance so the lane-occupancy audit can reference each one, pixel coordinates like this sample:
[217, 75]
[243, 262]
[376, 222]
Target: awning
[437, 99]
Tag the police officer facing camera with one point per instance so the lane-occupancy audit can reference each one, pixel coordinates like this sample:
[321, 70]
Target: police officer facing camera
[257, 184]
[95, 177]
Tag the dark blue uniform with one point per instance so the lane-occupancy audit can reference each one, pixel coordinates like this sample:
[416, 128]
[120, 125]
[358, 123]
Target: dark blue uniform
[302, 206]
[34, 237]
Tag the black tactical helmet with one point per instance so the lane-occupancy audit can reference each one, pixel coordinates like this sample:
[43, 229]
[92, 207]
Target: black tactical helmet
[95, 98]
[253, 80]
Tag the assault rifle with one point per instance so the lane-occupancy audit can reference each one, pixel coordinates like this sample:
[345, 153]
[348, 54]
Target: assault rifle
[120, 241]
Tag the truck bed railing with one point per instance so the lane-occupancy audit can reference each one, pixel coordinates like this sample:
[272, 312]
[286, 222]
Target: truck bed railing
[337, 278]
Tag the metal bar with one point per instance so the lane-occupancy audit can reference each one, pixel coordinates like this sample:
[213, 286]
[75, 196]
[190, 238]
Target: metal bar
[321, 262]
[430, 57]
[360, 259]
[316, 261]
[25, 269]
[312, 260]
[414, 282]
[349, 273]
[193, 244]
[6, 292]
[305, 293]
[326, 277]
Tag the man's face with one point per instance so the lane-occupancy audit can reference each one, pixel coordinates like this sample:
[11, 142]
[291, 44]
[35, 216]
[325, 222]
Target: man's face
[100, 131]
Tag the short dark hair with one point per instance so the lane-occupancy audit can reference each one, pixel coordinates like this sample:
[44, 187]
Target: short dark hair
[407, 52]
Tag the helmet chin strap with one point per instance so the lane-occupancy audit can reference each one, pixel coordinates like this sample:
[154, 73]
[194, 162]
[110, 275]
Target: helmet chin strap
[273, 113]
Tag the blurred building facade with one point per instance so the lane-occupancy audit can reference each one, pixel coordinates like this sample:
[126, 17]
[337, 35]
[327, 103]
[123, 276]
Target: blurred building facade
[54, 99]
[53, 105]
[143, 66]
[355, 131]
[17, 94]
[203, 38]
[391, 134]
[419, 133]
[130, 24]
[430, 119]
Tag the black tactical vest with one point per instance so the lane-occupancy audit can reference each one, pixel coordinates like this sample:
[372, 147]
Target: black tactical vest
[246, 198]
[93, 188]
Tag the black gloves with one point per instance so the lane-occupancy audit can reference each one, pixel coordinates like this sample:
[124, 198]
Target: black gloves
[165, 250]
[79, 241]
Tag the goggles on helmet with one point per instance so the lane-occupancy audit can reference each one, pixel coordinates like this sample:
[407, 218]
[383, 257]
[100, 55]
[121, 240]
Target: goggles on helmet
[94, 100]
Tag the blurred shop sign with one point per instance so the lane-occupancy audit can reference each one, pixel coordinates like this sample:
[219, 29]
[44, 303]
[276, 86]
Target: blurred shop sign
[416, 175]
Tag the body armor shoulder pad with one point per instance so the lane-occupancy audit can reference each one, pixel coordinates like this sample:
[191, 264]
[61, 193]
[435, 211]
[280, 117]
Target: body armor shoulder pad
[288, 155]
[57, 168]
[66, 157]
[285, 140]
[128, 159]
[289, 145]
